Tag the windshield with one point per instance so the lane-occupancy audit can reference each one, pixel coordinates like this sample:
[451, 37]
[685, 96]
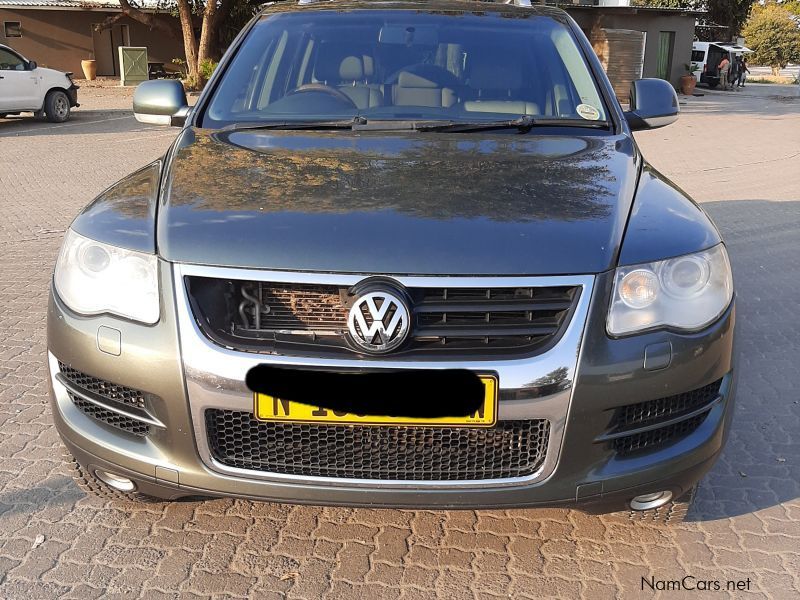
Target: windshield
[405, 65]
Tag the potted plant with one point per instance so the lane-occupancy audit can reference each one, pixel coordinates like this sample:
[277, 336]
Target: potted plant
[89, 67]
[689, 81]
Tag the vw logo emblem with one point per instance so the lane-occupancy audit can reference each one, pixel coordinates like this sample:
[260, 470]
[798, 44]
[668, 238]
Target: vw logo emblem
[378, 322]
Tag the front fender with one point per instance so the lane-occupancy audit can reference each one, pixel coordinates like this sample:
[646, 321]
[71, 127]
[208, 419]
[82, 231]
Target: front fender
[664, 222]
[124, 215]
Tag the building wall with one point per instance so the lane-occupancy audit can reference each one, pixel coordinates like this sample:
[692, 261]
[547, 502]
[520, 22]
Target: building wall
[60, 39]
[652, 23]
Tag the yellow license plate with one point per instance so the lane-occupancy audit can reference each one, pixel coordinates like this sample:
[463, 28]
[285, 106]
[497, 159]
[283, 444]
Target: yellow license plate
[269, 408]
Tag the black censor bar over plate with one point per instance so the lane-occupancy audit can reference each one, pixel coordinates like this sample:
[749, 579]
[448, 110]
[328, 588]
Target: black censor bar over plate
[416, 393]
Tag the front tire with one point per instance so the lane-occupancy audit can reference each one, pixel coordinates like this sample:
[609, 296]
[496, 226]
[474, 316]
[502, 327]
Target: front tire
[90, 485]
[56, 106]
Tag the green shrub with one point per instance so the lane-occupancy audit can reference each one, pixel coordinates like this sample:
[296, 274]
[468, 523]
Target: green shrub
[206, 68]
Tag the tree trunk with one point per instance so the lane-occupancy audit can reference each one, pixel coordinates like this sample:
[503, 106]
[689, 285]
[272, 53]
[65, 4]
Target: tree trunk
[213, 19]
[207, 32]
[189, 40]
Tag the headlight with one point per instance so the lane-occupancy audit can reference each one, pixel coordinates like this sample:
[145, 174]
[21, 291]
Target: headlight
[93, 278]
[686, 293]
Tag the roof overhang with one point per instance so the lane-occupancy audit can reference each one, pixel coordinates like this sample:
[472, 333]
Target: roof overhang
[67, 5]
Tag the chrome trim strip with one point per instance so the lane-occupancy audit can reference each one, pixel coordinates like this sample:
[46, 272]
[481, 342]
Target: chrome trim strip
[343, 279]
[215, 375]
[102, 403]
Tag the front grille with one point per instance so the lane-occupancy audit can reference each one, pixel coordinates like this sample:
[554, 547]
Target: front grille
[106, 389]
[299, 318]
[111, 418]
[509, 449]
[648, 414]
[113, 394]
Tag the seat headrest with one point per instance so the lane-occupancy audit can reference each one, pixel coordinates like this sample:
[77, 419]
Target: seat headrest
[369, 65]
[351, 69]
[327, 65]
[410, 80]
[494, 75]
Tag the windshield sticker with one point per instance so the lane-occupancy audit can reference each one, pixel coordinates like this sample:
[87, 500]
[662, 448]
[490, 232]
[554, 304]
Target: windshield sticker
[588, 112]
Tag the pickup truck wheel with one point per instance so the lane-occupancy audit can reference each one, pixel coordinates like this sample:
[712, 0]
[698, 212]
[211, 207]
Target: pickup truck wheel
[89, 484]
[673, 511]
[56, 106]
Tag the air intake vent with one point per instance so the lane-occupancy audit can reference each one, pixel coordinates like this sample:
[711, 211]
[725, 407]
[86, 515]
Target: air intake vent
[115, 405]
[653, 424]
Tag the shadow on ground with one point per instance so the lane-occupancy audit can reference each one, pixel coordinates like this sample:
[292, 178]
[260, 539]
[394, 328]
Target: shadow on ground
[81, 122]
[760, 466]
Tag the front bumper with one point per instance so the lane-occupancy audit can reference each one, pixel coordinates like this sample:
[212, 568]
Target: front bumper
[72, 94]
[188, 374]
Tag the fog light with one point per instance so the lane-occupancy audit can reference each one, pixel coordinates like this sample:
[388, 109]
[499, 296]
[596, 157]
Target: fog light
[649, 501]
[118, 482]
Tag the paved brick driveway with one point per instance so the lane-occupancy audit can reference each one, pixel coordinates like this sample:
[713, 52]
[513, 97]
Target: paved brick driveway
[739, 155]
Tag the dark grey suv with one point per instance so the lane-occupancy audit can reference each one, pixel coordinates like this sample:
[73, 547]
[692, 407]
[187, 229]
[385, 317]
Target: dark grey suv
[373, 211]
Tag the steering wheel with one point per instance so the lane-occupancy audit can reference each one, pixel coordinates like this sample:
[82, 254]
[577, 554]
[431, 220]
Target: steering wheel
[321, 88]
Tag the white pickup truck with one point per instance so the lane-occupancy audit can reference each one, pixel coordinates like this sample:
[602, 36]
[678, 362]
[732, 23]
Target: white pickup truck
[26, 87]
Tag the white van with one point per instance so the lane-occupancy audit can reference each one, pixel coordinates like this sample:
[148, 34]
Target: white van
[707, 55]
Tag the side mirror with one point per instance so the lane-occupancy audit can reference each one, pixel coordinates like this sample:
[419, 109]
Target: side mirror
[160, 102]
[32, 65]
[654, 103]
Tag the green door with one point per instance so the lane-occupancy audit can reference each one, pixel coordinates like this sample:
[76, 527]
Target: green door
[666, 44]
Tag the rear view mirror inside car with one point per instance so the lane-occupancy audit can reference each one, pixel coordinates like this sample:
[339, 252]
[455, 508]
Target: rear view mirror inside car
[408, 35]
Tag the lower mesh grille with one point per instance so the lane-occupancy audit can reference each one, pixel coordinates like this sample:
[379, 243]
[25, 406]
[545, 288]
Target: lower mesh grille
[114, 394]
[509, 449]
[650, 440]
[103, 388]
[667, 408]
[652, 412]
[109, 417]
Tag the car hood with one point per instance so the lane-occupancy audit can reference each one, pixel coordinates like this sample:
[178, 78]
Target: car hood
[397, 203]
[45, 72]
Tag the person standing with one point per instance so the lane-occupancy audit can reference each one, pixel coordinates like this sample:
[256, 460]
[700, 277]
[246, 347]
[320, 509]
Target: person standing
[743, 71]
[724, 68]
[733, 73]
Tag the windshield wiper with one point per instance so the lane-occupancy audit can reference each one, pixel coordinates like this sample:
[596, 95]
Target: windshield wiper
[523, 124]
[341, 124]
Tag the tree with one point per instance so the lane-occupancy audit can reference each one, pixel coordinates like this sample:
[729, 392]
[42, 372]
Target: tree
[793, 6]
[214, 16]
[731, 14]
[774, 37]
[723, 20]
